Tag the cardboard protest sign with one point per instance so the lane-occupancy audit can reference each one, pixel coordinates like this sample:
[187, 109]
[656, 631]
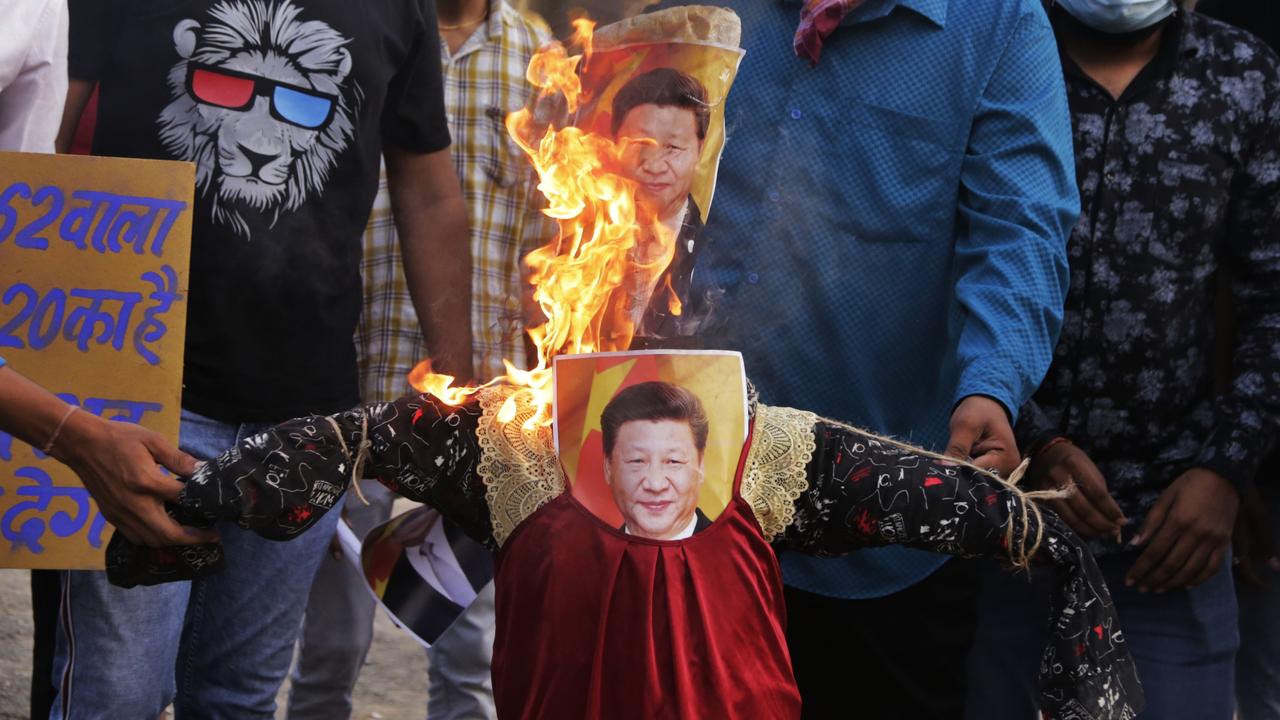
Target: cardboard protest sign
[94, 255]
[649, 478]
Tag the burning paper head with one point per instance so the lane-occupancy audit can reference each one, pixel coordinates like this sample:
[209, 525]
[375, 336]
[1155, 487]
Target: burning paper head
[609, 186]
[660, 118]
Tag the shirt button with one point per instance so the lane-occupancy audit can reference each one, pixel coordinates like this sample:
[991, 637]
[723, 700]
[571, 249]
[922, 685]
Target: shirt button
[796, 114]
[753, 278]
[774, 196]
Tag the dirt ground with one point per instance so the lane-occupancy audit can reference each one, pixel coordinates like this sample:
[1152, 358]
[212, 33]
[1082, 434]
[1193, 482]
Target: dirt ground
[392, 685]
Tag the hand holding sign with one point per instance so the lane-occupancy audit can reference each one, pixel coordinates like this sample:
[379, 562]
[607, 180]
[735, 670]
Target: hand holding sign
[93, 281]
[116, 461]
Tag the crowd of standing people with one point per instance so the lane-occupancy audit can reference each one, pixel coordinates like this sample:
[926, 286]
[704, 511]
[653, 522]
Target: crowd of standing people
[997, 229]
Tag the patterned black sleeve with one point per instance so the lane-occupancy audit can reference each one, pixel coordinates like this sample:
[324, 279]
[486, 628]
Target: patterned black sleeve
[864, 492]
[280, 482]
[1246, 418]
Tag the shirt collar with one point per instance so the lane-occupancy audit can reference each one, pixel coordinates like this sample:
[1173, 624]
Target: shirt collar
[934, 10]
[1175, 44]
[492, 32]
[495, 18]
[687, 532]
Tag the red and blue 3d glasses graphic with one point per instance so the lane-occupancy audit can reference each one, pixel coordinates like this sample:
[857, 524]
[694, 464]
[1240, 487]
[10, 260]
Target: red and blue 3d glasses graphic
[235, 90]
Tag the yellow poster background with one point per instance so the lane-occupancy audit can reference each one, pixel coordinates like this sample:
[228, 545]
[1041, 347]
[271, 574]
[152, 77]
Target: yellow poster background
[712, 65]
[134, 219]
[584, 384]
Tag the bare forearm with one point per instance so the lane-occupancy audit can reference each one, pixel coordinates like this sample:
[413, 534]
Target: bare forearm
[431, 221]
[28, 411]
[437, 261]
[33, 414]
[78, 94]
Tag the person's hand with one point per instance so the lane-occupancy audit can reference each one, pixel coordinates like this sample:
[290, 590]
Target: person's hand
[980, 433]
[1186, 533]
[1090, 511]
[1252, 543]
[118, 464]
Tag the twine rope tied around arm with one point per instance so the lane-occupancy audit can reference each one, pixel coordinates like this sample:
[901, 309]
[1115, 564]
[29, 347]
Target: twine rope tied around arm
[363, 446]
[1021, 543]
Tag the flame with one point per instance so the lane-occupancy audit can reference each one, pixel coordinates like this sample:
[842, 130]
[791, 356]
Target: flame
[424, 380]
[674, 306]
[605, 248]
[583, 30]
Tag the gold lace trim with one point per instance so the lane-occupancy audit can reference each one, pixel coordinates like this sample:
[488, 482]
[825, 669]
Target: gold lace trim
[776, 472]
[517, 465]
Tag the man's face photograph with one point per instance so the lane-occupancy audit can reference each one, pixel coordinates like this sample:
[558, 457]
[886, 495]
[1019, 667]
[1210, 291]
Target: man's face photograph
[650, 441]
[655, 471]
[661, 152]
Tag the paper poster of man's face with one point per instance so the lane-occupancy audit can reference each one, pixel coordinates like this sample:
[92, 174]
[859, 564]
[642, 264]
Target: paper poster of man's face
[663, 104]
[655, 439]
[650, 440]
[660, 119]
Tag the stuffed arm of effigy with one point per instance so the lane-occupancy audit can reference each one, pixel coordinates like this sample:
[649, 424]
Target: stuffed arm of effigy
[280, 482]
[823, 488]
[815, 486]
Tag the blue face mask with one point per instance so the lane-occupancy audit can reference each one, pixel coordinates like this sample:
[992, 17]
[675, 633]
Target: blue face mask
[1119, 16]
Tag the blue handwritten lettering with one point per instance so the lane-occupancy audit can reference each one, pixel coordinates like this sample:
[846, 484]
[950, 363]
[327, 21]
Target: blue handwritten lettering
[8, 215]
[31, 530]
[119, 222]
[7, 337]
[27, 237]
[107, 222]
[54, 301]
[130, 411]
[92, 317]
[151, 330]
[83, 322]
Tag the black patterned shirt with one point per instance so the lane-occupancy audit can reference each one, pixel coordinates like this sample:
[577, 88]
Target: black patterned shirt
[1179, 183]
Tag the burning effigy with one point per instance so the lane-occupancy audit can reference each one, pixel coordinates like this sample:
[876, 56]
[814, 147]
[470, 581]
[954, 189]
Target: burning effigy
[674, 607]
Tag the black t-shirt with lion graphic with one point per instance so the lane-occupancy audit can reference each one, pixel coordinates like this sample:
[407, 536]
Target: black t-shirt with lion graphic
[284, 106]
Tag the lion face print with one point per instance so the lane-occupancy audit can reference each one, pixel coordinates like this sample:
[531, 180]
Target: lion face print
[263, 104]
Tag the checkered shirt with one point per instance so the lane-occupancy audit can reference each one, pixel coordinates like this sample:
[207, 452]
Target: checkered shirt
[484, 80]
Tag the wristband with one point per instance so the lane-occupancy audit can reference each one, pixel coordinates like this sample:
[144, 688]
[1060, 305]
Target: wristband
[1052, 443]
[58, 430]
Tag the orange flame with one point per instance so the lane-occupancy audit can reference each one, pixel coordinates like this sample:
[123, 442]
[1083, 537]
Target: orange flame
[673, 300]
[422, 379]
[585, 279]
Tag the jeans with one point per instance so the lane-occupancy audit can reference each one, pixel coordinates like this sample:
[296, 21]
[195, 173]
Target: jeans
[1258, 666]
[217, 648]
[1184, 643]
[338, 626]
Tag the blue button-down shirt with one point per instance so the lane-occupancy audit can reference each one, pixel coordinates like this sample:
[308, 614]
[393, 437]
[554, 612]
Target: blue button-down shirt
[889, 227]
